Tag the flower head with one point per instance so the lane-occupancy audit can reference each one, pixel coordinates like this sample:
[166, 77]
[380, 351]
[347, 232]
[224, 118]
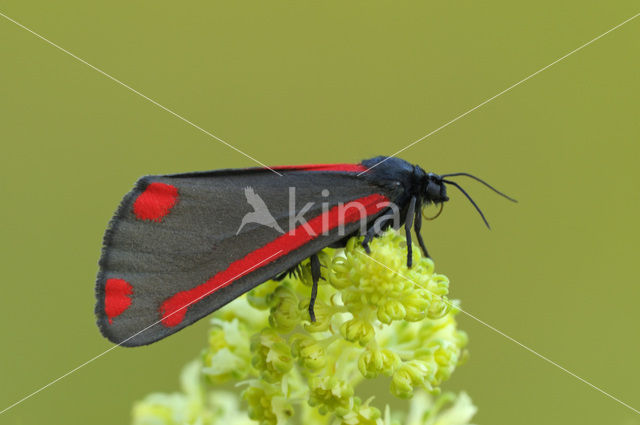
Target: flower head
[374, 317]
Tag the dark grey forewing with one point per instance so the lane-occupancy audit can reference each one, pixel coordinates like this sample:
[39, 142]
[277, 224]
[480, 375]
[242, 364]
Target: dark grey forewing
[197, 240]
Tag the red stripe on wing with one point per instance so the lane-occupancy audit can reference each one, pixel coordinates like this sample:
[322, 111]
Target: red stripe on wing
[173, 309]
[350, 168]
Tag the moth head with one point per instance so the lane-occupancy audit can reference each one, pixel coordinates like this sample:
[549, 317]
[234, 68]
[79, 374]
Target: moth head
[435, 189]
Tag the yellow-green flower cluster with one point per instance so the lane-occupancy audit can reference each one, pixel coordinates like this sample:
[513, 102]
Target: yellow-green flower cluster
[197, 403]
[374, 318]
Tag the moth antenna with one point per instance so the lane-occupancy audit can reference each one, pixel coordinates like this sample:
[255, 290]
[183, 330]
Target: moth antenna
[481, 181]
[470, 200]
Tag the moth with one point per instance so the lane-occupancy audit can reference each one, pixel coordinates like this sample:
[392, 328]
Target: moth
[181, 246]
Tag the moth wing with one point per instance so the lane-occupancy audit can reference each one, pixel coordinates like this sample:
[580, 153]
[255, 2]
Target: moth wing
[181, 246]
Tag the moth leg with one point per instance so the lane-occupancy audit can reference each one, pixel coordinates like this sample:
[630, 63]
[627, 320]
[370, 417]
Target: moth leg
[417, 227]
[367, 238]
[408, 224]
[315, 277]
[374, 230]
[281, 276]
[293, 271]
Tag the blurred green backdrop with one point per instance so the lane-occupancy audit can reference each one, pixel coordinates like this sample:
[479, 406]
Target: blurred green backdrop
[297, 82]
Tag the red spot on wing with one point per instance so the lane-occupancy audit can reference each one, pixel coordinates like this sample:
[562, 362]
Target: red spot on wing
[155, 202]
[116, 297]
[173, 309]
[351, 168]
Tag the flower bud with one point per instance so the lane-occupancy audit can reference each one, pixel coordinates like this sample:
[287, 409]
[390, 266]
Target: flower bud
[360, 414]
[329, 393]
[375, 362]
[285, 315]
[357, 330]
[410, 375]
[310, 353]
[272, 356]
[323, 314]
[267, 405]
[391, 310]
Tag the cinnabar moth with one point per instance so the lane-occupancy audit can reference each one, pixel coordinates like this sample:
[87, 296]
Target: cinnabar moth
[181, 246]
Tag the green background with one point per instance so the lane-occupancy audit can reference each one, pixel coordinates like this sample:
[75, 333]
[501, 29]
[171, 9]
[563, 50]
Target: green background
[327, 81]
